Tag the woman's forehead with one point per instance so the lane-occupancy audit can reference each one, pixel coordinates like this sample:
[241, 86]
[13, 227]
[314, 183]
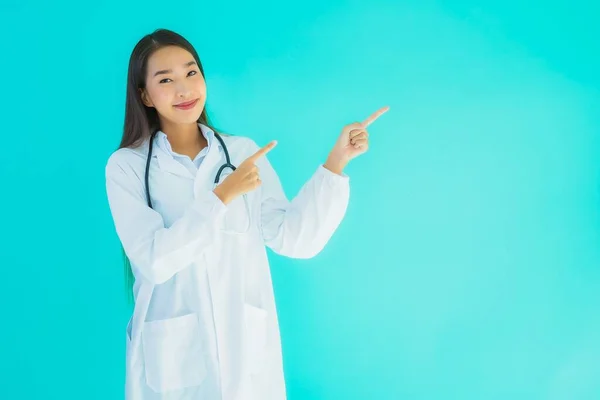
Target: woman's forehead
[168, 58]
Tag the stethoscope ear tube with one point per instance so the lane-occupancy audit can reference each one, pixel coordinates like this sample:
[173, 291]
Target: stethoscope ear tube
[148, 170]
[218, 176]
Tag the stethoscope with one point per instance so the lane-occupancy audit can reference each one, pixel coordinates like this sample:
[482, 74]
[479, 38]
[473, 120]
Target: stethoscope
[227, 164]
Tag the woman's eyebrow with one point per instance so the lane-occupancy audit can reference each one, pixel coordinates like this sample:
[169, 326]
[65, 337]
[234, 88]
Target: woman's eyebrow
[168, 71]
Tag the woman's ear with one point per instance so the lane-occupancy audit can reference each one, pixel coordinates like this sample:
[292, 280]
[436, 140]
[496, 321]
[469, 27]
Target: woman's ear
[145, 98]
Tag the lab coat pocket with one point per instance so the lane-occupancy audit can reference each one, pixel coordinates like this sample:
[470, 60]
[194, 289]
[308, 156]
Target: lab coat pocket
[256, 337]
[173, 353]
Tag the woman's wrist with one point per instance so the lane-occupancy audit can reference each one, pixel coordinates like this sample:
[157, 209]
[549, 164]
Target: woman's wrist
[222, 195]
[335, 164]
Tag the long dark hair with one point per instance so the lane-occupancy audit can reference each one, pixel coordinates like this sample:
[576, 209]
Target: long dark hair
[142, 122]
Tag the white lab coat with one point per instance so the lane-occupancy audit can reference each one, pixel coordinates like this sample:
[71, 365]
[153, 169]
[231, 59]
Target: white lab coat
[205, 324]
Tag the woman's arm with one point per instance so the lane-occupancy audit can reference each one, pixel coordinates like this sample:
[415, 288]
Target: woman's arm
[301, 228]
[156, 251]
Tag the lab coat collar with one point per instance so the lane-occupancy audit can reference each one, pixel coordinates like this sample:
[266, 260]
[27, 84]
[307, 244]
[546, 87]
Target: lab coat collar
[168, 163]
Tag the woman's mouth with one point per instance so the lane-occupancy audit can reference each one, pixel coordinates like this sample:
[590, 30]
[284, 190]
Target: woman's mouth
[187, 105]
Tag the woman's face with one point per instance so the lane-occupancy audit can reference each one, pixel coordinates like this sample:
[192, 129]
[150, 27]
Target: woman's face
[173, 79]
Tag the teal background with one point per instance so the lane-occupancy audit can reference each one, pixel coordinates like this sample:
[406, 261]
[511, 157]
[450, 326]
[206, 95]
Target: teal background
[467, 266]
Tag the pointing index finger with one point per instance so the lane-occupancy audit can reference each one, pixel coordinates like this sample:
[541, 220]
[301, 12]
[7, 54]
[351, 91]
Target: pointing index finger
[375, 115]
[260, 153]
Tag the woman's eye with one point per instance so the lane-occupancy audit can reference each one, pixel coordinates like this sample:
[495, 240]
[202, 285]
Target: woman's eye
[168, 79]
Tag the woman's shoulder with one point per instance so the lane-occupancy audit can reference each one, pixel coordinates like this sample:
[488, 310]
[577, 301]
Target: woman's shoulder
[237, 141]
[127, 159]
[240, 147]
[231, 139]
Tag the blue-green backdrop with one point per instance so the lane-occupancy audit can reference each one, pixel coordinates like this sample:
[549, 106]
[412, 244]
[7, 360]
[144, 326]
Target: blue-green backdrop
[468, 264]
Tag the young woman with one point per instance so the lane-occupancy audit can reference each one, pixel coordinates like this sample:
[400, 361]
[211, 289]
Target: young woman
[194, 211]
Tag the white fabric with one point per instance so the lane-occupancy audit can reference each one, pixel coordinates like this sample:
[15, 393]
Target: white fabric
[204, 324]
[192, 165]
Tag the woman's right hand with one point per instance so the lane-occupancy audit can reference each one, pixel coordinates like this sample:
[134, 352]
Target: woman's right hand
[244, 179]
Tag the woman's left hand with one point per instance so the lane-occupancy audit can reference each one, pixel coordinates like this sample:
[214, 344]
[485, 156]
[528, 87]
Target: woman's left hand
[352, 142]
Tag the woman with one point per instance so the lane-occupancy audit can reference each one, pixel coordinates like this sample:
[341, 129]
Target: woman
[204, 324]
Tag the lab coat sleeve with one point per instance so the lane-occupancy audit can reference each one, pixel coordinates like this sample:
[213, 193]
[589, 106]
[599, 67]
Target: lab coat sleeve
[301, 228]
[154, 250]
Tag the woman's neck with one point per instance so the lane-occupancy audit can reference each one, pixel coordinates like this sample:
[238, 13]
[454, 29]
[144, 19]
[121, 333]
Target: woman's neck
[185, 139]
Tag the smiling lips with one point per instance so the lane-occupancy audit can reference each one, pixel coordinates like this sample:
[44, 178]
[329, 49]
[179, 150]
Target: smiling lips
[187, 105]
